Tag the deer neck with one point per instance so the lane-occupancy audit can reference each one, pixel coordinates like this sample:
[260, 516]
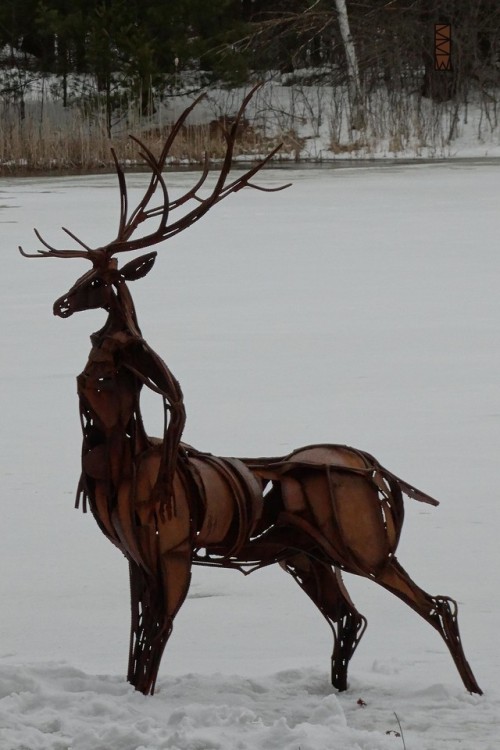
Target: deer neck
[122, 318]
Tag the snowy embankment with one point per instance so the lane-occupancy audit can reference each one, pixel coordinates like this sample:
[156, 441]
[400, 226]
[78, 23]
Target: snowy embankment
[360, 306]
[54, 707]
[311, 121]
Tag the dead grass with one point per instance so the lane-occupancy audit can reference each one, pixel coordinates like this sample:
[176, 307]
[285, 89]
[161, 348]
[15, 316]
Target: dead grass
[76, 142]
[349, 148]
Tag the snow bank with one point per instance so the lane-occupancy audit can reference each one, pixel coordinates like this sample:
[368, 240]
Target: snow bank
[56, 707]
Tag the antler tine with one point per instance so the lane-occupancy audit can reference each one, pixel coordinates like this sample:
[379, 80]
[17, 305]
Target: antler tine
[269, 190]
[77, 239]
[53, 252]
[139, 213]
[243, 106]
[230, 138]
[175, 129]
[243, 181]
[191, 194]
[156, 168]
[38, 254]
[123, 194]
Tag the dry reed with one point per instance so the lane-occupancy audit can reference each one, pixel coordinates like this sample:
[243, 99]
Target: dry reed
[49, 138]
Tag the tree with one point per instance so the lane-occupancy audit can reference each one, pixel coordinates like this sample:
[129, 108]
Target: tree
[353, 77]
[17, 26]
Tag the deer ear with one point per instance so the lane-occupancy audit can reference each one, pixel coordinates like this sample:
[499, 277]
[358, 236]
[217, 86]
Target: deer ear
[138, 267]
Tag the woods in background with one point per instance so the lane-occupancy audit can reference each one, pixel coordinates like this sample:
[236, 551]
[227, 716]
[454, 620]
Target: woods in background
[112, 59]
[151, 43]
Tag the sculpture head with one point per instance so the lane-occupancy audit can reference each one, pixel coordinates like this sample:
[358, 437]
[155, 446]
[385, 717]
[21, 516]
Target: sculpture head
[100, 286]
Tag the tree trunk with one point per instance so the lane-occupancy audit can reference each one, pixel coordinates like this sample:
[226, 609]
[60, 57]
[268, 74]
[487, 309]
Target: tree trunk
[353, 77]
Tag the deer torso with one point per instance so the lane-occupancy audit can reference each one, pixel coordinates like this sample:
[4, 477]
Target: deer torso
[220, 500]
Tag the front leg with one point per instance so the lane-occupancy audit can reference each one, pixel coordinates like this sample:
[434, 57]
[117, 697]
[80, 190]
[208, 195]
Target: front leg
[138, 357]
[159, 587]
[154, 605]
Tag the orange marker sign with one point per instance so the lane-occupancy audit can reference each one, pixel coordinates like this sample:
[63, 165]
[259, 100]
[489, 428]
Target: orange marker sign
[442, 46]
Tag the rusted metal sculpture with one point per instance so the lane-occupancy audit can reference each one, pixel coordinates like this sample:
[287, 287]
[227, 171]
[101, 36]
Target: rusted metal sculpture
[318, 511]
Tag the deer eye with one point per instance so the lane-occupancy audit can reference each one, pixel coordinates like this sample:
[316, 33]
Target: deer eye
[96, 284]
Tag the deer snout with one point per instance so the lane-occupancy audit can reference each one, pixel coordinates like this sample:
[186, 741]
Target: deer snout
[62, 307]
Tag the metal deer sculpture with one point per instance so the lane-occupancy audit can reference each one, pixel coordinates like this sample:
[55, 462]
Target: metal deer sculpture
[318, 511]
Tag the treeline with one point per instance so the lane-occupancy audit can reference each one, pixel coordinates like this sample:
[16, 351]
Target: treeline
[145, 42]
[153, 43]
[74, 73]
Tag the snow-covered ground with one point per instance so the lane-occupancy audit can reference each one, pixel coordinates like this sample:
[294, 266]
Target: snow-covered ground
[360, 306]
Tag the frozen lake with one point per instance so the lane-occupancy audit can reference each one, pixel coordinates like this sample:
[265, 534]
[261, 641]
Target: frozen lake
[361, 307]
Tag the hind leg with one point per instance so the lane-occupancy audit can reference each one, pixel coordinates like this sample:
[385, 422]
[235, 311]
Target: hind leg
[325, 588]
[439, 611]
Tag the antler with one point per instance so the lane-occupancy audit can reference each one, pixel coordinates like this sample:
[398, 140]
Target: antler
[164, 230]
[128, 225]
